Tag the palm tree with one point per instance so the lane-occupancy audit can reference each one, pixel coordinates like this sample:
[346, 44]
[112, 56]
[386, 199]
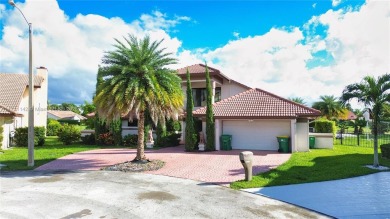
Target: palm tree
[329, 106]
[374, 93]
[299, 100]
[135, 79]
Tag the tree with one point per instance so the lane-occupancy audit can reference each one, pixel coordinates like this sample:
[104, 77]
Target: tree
[190, 135]
[135, 78]
[374, 94]
[87, 108]
[210, 125]
[329, 106]
[298, 100]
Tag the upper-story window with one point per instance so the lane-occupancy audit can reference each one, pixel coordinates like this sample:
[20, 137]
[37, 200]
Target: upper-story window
[200, 94]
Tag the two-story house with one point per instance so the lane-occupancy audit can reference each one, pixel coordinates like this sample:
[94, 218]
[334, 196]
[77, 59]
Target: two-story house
[14, 102]
[253, 117]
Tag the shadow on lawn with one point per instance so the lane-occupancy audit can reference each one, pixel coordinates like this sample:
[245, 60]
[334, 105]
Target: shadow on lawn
[322, 169]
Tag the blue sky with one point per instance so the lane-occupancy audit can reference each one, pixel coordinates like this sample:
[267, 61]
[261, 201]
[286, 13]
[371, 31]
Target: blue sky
[290, 48]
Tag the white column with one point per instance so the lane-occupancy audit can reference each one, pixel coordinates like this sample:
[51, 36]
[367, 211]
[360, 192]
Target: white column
[213, 85]
[293, 135]
[218, 132]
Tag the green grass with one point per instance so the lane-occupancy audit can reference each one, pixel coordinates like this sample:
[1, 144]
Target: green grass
[317, 165]
[16, 158]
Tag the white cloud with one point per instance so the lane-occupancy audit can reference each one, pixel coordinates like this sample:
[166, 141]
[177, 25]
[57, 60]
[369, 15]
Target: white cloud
[72, 48]
[336, 2]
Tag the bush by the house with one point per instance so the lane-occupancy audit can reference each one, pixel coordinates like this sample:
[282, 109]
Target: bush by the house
[106, 139]
[130, 140]
[88, 139]
[169, 140]
[116, 130]
[325, 126]
[69, 134]
[385, 149]
[53, 126]
[69, 121]
[21, 136]
[1, 136]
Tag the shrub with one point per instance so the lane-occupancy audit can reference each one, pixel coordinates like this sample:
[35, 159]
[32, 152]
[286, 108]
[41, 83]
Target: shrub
[130, 140]
[170, 140]
[69, 121]
[88, 139]
[116, 130]
[385, 149]
[106, 139]
[21, 136]
[53, 126]
[69, 134]
[325, 126]
[1, 136]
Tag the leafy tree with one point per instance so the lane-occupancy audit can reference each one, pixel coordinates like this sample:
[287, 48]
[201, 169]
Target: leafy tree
[329, 106]
[64, 107]
[87, 108]
[210, 125]
[135, 78]
[298, 100]
[190, 134]
[374, 93]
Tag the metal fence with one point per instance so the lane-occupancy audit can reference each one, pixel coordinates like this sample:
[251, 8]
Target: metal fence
[362, 139]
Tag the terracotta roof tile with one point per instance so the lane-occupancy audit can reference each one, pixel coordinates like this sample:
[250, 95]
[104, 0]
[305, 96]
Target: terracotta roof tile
[65, 114]
[12, 87]
[257, 103]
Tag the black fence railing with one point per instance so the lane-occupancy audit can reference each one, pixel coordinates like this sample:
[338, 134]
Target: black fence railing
[362, 139]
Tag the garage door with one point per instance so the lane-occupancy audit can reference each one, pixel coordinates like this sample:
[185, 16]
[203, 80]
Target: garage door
[256, 135]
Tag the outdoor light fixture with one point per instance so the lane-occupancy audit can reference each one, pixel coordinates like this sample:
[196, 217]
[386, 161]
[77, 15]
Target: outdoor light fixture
[30, 162]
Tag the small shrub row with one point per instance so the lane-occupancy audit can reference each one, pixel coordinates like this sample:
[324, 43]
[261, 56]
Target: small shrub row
[385, 149]
[69, 134]
[88, 139]
[106, 138]
[130, 140]
[325, 126]
[21, 136]
[170, 140]
[69, 121]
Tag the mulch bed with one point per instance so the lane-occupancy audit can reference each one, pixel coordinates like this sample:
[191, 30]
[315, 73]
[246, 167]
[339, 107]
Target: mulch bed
[136, 166]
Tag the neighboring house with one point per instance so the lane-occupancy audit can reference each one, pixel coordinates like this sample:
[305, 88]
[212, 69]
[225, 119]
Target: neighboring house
[253, 117]
[64, 115]
[347, 115]
[14, 101]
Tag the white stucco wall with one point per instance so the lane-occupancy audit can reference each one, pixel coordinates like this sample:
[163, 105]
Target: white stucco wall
[8, 126]
[323, 140]
[229, 89]
[302, 136]
[128, 130]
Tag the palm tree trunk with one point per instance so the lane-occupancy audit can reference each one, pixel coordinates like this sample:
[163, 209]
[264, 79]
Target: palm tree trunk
[141, 137]
[375, 129]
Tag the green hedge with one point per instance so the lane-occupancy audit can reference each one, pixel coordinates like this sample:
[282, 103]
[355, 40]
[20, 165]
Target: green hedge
[1, 136]
[21, 136]
[69, 134]
[130, 140]
[89, 139]
[69, 121]
[53, 126]
[325, 126]
[385, 149]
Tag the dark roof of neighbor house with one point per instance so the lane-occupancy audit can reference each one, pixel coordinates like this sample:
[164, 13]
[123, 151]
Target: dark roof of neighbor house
[200, 70]
[65, 114]
[258, 104]
[12, 89]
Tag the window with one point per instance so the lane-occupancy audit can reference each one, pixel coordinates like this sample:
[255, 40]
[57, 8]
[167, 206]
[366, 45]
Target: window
[200, 96]
[133, 123]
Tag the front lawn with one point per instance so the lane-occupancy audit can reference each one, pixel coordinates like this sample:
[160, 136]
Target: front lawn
[16, 158]
[317, 165]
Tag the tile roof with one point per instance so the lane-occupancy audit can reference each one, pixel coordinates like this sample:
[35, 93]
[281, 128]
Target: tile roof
[65, 114]
[12, 89]
[257, 103]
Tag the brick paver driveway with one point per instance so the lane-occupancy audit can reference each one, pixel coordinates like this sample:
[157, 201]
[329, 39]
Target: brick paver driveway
[219, 167]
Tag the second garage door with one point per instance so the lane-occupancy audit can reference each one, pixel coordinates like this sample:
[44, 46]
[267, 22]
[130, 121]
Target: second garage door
[257, 134]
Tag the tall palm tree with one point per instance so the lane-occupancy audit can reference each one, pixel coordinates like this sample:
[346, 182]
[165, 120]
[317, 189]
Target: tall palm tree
[329, 106]
[136, 79]
[374, 93]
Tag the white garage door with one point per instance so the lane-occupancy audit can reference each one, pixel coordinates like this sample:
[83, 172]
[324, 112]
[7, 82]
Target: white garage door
[256, 135]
